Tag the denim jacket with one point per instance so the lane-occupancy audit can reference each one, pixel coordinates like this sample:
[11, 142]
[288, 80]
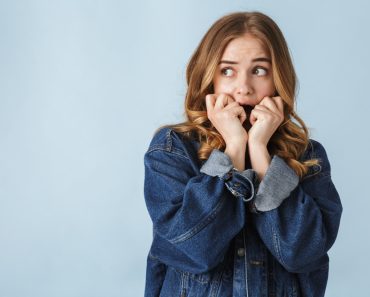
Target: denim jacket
[220, 232]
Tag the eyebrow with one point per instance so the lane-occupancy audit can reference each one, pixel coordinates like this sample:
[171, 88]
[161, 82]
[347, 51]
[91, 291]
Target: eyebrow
[262, 59]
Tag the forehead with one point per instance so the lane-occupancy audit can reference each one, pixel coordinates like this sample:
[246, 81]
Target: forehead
[245, 46]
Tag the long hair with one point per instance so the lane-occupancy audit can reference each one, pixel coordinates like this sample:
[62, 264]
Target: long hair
[291, 138]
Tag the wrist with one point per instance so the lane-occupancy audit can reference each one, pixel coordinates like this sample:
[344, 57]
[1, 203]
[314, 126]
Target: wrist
[236, 148]
[260, 159]
[256, 144]
[237, 155]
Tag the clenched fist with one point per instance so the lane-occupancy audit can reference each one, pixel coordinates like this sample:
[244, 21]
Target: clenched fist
[227, 116]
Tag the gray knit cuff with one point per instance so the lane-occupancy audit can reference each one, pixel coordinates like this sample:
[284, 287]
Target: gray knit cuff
[239, 183]
[218, 164]
[277, 184]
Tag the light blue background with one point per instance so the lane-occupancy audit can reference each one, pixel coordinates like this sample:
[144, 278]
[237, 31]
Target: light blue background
[83, 86]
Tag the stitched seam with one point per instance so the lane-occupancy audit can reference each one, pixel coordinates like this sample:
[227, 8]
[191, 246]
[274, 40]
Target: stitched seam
[198, 277]
[216, 284]
[245, 263]
[202, 280]
[276, 241]
[174, 151]
[169, 140]
[184, 283]
[168, 146]
[151, 256]
[200, 225]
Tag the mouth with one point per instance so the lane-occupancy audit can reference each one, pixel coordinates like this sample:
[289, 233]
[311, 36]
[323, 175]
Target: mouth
[248, 109]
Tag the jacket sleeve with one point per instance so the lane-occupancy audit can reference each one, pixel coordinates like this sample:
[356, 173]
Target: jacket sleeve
[194, 214]
[302, 222]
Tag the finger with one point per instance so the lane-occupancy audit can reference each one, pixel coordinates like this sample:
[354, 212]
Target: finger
[243, 116]
[252, 117]
[262, 107]
[280, 103]
[235, 109]
[210, 102]
[270, 104]
[231, 105]
[223, 100]
[258, 113]
[240, 113]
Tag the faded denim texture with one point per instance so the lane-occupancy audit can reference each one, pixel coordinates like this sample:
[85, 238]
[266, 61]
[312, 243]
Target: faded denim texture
[219, 232]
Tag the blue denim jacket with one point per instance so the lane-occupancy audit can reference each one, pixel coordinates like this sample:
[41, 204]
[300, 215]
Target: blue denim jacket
[220, 232]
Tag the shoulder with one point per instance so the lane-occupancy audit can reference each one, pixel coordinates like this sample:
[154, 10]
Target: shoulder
[316, 150]
[161, 139]
[168, 140]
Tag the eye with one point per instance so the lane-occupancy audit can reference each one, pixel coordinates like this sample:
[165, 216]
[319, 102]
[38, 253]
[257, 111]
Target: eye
[260, 71]
[226, 71]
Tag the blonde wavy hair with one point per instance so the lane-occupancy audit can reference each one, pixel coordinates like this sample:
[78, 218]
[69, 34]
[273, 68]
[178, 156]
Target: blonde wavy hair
[291, 139]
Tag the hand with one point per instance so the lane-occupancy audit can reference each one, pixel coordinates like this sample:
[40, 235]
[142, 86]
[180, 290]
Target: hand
[265, 118]
[227, 116]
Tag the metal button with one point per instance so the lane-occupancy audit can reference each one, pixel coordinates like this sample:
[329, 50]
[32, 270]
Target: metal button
[256, 262]
[241, 252]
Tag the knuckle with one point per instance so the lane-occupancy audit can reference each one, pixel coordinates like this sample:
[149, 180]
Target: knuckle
[217, 116]
[226, 115]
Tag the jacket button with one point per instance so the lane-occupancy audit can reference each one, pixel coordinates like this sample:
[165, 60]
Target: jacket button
[241, 252]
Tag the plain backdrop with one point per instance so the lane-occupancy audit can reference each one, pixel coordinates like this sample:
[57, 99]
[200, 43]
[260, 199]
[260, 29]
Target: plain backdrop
[83, 86]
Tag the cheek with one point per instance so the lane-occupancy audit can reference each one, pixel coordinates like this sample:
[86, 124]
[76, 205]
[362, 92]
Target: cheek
[222, 86]
[266, 89]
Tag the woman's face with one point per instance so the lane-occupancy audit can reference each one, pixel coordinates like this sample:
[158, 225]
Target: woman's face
[245, 71]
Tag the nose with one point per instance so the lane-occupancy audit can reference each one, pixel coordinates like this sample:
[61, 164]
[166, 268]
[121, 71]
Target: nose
[243, 86]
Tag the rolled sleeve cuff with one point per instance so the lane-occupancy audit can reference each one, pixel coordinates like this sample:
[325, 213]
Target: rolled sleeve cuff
[239, 183]
[277, 184]
[218, 164]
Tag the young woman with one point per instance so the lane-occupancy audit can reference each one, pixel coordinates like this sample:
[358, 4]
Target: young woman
[241, 199]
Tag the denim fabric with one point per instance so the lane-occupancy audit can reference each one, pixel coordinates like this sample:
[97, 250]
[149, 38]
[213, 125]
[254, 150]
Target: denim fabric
[277, 184]
[219, 164]
[219, 232]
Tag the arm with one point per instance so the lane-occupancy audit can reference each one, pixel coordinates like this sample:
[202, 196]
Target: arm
[194, 216]
[302, 224]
